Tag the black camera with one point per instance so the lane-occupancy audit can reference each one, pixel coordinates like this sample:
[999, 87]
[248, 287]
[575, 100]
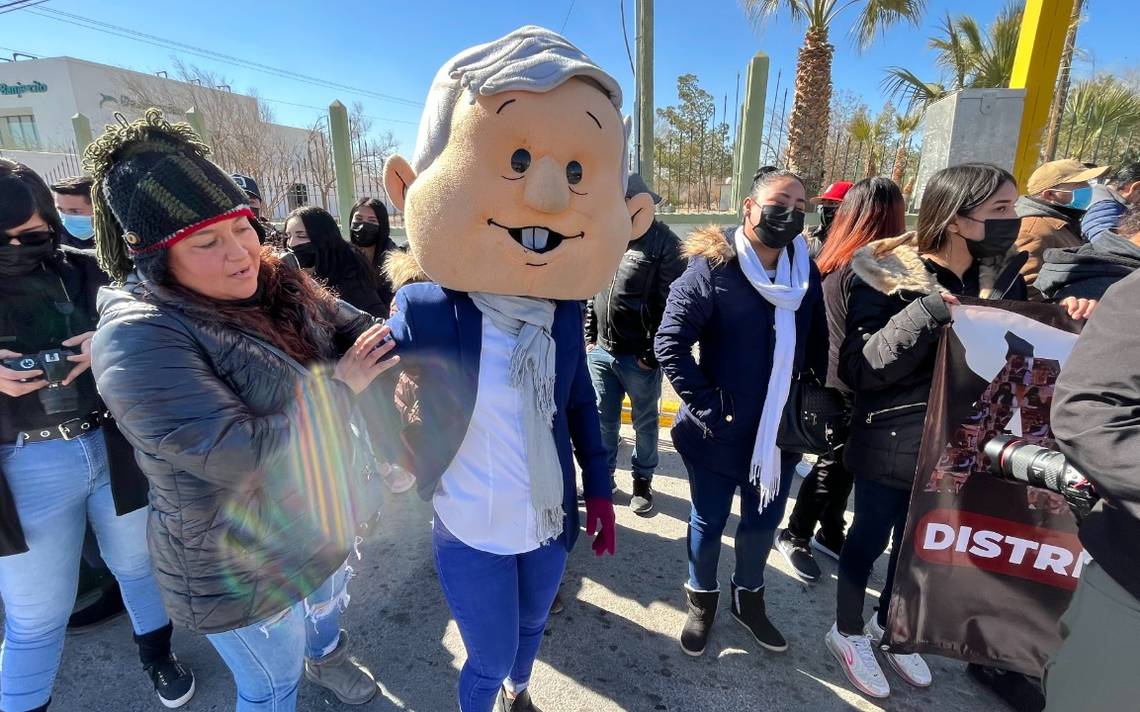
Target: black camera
[55, 397]
[1015, 459]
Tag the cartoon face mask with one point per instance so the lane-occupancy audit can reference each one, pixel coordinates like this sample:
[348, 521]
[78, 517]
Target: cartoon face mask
[527, 196]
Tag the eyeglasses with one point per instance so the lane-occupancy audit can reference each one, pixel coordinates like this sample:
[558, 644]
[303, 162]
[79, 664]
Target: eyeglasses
[33, 238]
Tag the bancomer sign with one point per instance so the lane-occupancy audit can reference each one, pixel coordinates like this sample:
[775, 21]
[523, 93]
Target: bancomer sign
[19, 88]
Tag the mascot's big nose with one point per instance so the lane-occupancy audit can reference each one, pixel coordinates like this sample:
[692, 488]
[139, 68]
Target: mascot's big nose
[546, 187]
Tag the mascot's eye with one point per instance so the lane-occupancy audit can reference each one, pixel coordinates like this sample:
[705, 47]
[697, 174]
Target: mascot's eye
[574, 172]
[520, 160]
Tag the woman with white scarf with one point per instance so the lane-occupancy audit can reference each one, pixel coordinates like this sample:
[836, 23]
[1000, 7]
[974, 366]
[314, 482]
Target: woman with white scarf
[751, 299]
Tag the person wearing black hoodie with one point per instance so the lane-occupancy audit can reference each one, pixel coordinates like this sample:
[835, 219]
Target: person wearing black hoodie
[1086, 272]
[370, 235]
[312, 235]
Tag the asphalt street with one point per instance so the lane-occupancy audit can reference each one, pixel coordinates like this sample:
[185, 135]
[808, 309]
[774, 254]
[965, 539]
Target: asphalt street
[614, 648]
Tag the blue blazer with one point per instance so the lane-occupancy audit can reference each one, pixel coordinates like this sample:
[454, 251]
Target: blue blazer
[439, 332]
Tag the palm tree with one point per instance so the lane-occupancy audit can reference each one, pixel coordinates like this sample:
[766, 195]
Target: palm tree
[1101, 115]
[808, 126]
[905, 125]
[866, 133]
[969, 57]
[1061, 94]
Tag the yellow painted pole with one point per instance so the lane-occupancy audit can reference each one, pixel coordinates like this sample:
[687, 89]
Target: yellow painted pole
[1043, 28]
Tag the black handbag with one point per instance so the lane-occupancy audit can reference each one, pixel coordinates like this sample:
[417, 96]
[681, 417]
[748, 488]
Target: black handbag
[816, 418]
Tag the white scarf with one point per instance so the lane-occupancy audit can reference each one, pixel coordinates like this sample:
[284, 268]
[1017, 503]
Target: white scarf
[532, 373]
[785, 294]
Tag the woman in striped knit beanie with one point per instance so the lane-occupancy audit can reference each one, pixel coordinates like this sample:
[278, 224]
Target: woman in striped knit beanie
[233, 375]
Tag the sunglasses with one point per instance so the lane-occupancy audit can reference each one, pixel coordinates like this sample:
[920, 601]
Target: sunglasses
[32, 239]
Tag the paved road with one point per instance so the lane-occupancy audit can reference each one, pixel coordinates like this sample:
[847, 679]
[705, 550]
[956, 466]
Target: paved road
[614, 648]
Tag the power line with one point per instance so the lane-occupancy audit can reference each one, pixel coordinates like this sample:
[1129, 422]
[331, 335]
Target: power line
[567, 18]
[155, 40]
[20, 5]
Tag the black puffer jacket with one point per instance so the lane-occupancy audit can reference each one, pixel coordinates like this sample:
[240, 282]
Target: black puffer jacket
[895, 315]
[624, 317]
[234, 534]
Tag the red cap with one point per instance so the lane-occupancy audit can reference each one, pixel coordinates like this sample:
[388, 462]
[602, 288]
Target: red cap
[835, 191]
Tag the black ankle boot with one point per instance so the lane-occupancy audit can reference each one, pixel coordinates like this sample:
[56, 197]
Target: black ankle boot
[173, 681]
[748, 609]
[702, 612]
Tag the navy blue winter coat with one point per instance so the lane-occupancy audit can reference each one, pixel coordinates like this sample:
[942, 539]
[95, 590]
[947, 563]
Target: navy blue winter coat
[714, 306]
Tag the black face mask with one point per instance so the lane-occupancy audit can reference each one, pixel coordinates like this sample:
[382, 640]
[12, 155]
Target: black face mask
[778, 226]
[306, 255]
[21, 260]
[826, 215]
[998, 237]
[364, 234]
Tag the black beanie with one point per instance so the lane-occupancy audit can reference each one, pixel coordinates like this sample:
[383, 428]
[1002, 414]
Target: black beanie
[153, 187]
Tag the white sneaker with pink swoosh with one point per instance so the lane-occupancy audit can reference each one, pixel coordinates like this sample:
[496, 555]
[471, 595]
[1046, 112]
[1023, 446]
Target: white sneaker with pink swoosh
[856, 656]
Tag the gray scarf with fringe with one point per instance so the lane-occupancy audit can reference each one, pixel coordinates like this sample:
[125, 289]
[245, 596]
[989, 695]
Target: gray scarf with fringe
[531, 372]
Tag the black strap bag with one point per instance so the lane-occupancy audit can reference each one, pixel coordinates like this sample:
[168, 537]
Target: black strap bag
[816, 418]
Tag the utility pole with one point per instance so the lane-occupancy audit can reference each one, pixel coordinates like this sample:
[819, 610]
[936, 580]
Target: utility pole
[645, 89]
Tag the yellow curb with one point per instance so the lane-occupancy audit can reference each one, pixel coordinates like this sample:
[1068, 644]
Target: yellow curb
[668, 410]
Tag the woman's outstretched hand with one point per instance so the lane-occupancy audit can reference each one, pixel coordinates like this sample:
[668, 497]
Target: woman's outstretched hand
[367, 358]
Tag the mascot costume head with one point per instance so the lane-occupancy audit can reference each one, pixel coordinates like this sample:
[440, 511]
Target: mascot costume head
[517, 184]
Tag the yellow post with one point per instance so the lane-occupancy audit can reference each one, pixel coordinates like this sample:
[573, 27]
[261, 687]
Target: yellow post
[1043, 28]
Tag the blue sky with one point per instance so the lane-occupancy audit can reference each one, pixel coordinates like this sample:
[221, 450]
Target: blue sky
[394, 48]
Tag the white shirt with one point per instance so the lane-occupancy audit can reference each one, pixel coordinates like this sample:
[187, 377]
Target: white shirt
[483, 497]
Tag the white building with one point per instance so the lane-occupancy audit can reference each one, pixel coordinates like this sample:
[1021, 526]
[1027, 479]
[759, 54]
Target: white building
[39, 97]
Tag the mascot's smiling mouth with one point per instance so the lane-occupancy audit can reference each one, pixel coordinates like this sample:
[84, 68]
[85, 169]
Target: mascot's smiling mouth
[536, 238]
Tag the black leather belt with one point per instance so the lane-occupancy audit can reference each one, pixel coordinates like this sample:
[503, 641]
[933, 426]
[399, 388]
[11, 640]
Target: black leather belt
[67, 430]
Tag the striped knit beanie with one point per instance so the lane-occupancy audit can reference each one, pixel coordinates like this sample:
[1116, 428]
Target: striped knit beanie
[154, 186]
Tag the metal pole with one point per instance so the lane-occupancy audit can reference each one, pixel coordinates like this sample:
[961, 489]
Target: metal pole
[342, 163]
[198, 122]
[645, 88]
[81, 125]
[751, 128]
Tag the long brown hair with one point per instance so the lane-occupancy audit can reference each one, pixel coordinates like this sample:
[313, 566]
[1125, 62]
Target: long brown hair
[951, 192]
[873, 208]
[291, 311]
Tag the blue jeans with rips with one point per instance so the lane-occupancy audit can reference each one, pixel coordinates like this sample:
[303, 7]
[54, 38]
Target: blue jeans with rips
[266, 658]
[58, 486]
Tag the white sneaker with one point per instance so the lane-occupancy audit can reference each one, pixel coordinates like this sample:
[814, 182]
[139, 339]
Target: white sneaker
[911, 668]
[856, 656]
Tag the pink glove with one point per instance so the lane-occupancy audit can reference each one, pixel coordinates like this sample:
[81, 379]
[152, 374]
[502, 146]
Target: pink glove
[600, 518]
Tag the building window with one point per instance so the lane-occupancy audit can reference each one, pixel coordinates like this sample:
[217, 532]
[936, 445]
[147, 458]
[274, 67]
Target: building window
[297, 195]
[19, 132]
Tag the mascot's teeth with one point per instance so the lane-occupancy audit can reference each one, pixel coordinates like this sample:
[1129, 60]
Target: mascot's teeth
[540, 237]
[528, 238]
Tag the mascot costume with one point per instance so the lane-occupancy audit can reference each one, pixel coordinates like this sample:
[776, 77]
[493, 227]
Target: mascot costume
[515, 210]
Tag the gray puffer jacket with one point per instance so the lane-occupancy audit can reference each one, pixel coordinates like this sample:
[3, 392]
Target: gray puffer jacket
[238, 530]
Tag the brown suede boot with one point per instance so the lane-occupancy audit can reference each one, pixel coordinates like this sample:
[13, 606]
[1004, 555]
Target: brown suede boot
[342, 675]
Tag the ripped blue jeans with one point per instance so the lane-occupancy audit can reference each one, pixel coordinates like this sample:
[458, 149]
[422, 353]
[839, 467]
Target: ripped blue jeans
[267, 657]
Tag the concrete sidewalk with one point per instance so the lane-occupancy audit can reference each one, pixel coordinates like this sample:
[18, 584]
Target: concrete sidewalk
[614, 648]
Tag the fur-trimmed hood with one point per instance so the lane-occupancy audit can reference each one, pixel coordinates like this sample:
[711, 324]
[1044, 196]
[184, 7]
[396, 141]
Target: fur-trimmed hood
[401, 269]
[893, 265]
[711, 242]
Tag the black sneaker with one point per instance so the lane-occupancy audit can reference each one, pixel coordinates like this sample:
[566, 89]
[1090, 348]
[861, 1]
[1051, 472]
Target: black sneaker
[521, 702]
[825, 545]
[642, 500]
[748, 610]
[173, 682]
[798, 555]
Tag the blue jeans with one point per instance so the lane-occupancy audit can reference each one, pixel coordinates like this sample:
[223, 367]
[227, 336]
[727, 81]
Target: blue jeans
[614, 377]
[880, 514]
[500, 604]
[266, 658]
[711, 495]
[58, 486]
